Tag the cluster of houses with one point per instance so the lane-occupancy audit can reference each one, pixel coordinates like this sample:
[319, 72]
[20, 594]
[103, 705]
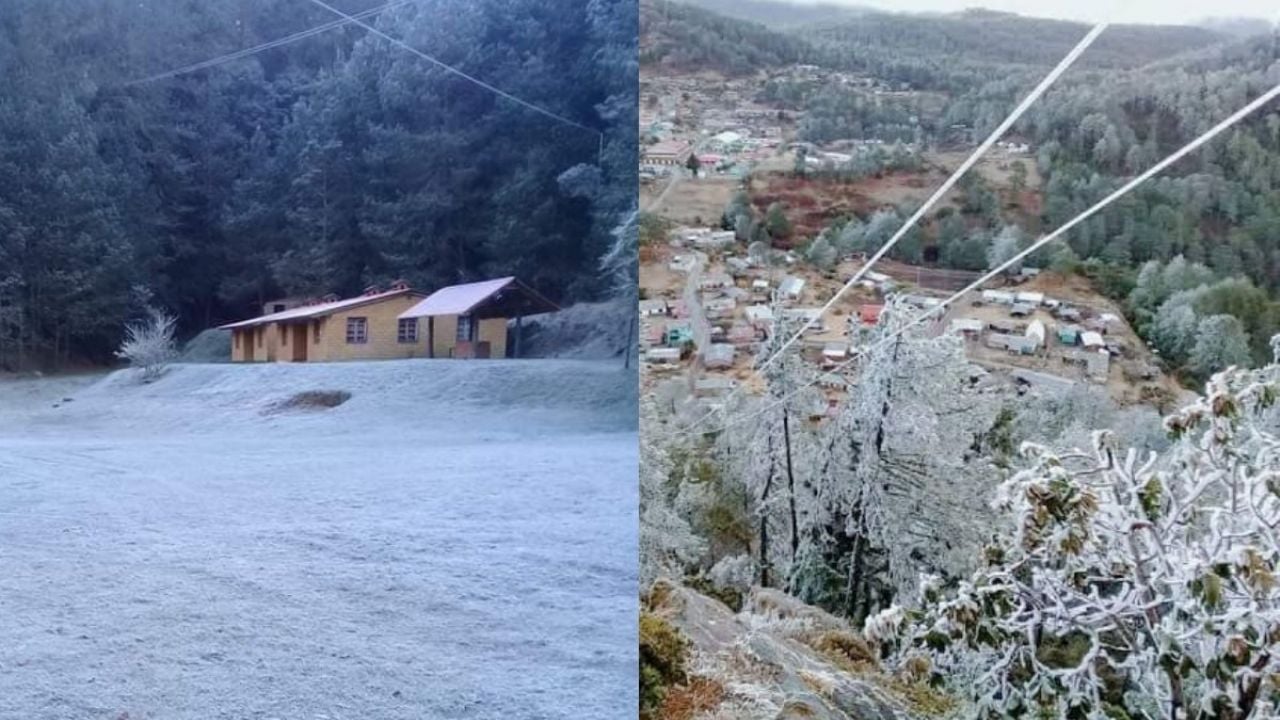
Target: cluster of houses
[688, 116]
[1082, 340]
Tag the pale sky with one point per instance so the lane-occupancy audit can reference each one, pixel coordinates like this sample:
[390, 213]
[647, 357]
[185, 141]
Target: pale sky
[1134, 11]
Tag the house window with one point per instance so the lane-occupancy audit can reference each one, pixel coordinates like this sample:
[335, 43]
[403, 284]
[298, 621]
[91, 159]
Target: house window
[357, 330]
[464, 328]
[277, 308]
[407, 330]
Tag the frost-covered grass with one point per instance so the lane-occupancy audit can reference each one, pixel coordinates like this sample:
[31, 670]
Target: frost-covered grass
[458, 540]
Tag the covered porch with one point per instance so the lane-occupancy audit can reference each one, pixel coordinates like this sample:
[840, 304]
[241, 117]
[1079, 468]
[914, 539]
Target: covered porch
[470, 320]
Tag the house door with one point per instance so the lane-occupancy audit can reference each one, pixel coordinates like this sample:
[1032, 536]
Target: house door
[247, 337]
[299, 343]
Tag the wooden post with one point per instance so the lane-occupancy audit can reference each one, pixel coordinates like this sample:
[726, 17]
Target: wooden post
[519, 334]
[431, 337]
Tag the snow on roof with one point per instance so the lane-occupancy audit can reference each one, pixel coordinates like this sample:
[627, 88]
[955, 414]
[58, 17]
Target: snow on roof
[719, 355]
[1090, 338]
[307, 312]
[791, 285]
[966, 325]
[759, 312]
[462, 299]
[667, 147]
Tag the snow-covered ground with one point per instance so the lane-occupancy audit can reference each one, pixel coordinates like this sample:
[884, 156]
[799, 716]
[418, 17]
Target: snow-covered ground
[458, 540]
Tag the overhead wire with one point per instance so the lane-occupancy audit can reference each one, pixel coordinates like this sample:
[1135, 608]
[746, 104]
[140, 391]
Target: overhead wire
[1048, 80]
[1190, 147]
[470, 78]
[279, 42]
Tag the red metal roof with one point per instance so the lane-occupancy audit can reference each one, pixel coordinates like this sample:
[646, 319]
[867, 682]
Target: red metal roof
[307, 312]
[870, 314]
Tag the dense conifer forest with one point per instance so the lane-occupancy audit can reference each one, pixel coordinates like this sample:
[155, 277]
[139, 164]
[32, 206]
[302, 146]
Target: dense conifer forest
[325, 165]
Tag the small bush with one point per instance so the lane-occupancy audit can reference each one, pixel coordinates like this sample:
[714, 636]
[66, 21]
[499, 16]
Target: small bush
[727, 595]
[149, 345]
[662, 662]
[846, 649]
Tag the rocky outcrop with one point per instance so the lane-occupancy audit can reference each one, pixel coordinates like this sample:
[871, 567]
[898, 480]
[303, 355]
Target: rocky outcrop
[766, 657]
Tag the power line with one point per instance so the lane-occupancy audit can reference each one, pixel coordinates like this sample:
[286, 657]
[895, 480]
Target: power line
[1190, 147]
[946, 186]
[240, 54]
[950, 182]
[459, 73]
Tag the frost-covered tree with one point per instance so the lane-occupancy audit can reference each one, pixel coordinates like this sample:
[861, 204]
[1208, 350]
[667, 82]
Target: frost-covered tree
[768, 445]
[850, 237]
[880, 227]
[1173, 331]
[1220, 343]
[899, 487]
[1006, 244]
[668, 545]
[1130, 585]
[821, 253]
[149, 344]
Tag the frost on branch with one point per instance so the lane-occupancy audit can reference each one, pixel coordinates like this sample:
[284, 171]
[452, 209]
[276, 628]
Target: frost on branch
[1141, 584]
[768, 449]
[899, 486]
[149, 344]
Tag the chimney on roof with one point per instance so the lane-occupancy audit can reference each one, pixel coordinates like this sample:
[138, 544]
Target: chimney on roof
[400, 284]
[331, 297]
[371, 290]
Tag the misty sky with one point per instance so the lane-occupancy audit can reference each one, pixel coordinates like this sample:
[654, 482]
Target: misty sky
[1144, 11]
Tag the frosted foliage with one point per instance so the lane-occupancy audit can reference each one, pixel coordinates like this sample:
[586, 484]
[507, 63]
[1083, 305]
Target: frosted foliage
[668, 545]
[737, 572]
[149, 344]
[1142, 582]
[902, 449]
[1004, 247]
[770, 450]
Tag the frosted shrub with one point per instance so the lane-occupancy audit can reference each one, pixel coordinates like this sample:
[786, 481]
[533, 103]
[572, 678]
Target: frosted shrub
[149, 344]
[1131, 586]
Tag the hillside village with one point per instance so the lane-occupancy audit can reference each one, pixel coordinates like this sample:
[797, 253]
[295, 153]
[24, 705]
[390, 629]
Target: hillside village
[709, 305]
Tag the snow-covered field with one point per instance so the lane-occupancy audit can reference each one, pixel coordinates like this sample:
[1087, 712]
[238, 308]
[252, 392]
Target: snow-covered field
[456, 541]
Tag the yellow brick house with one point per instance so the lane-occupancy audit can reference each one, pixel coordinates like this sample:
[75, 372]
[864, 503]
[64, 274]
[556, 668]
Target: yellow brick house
[463, 321]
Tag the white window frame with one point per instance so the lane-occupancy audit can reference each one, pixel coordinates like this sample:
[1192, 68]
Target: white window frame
[407, 331]
[357, 330]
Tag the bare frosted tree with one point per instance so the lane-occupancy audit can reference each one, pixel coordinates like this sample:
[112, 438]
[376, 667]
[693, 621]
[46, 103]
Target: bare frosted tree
[149, 344]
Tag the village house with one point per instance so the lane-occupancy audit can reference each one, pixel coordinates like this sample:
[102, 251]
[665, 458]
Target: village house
[666, 155]
[998, 297]
[719, 356]
[462, 321]
[359, 328]
[791, 287]
[969, 328]
[650, 308]
[1017, 344]
[663, 356]
[715, 280]
[870, 314]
